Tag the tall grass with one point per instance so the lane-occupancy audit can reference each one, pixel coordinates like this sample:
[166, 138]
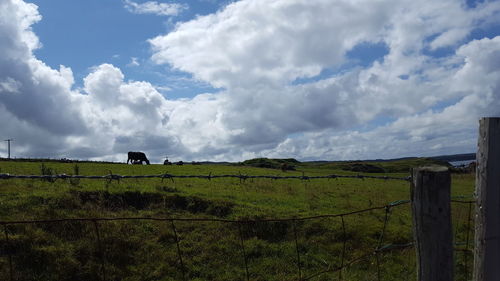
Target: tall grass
[147, 250]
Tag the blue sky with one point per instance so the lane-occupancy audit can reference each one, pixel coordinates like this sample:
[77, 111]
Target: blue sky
[232, 80]
[83, 34]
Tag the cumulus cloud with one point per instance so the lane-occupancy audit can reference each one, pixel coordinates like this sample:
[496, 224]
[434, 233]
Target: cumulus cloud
[288, 84]
[255, 56]
[30, 89]
[48, 118]
[107, 117]
[269, 42]
[153, 7]
[10, 85]
[429, 133]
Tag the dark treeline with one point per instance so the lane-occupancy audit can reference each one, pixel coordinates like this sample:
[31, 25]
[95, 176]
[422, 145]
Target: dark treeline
[62, 160]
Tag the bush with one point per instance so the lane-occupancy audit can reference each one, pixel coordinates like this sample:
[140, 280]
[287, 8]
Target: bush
[46, 171]
[363, 168]
[289, 163]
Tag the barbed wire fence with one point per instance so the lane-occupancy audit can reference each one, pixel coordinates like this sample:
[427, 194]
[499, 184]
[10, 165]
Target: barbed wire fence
[380, 247]
[163, 176]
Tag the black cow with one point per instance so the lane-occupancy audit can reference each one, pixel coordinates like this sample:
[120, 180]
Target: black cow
[137, 156]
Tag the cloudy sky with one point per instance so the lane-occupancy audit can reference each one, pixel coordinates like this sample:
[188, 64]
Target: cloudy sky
[233, 80]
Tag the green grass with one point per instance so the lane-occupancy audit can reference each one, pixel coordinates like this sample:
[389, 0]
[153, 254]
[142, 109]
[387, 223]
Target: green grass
[147, 250]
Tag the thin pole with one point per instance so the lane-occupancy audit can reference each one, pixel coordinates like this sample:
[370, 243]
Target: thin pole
[8, 145]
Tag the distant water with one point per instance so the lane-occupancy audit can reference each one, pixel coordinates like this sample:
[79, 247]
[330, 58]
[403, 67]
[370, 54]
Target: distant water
[461, 163]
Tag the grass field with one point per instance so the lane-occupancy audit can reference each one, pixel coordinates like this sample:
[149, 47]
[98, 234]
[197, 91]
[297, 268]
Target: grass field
[212, 250]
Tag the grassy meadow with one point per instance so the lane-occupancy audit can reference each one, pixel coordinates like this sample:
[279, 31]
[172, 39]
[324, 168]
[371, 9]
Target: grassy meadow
[214, 250]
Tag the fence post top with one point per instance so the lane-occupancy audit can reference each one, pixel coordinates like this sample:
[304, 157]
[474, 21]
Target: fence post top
[491, 118]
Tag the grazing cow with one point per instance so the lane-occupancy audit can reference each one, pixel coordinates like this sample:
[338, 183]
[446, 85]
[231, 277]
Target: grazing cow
[166, 162]
[287, 167]
[284, 167]
[135, 157]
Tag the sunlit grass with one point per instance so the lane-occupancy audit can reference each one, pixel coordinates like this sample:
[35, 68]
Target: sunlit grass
[210, 251]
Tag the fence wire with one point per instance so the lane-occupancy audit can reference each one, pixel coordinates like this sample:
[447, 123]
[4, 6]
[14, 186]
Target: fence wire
[380, 247]
[241, 177]
[343, 264]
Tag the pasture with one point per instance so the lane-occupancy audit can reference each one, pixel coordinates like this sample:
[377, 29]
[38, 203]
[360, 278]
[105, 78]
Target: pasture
[218, 229]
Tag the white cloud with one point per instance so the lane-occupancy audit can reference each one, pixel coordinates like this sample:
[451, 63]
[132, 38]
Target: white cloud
[451, 130]
[153, 7]
[134, 62]
[39, 109]
[269, 42]
[35, 88]
[254, 51]
[163, 88]
[9, 85]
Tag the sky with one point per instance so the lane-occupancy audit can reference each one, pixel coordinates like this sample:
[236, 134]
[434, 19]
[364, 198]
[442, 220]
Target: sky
[208, 80]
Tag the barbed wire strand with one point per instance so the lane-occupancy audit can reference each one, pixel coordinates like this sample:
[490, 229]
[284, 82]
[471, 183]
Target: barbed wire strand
[244, 252]
[8, 249]
[179, 253]
[242, 177]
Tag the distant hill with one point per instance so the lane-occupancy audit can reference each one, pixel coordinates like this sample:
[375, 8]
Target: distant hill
[289, 163]
[456, 157]
[270, 163]
[380, 166]
[364, 166]
[446, 158]
[62, 160]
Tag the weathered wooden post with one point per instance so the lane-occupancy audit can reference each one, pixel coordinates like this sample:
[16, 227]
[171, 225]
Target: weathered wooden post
[431, 211]
[487, 226]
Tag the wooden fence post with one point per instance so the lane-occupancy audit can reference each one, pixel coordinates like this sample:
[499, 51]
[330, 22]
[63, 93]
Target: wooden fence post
[487, 226]
[431, 211]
